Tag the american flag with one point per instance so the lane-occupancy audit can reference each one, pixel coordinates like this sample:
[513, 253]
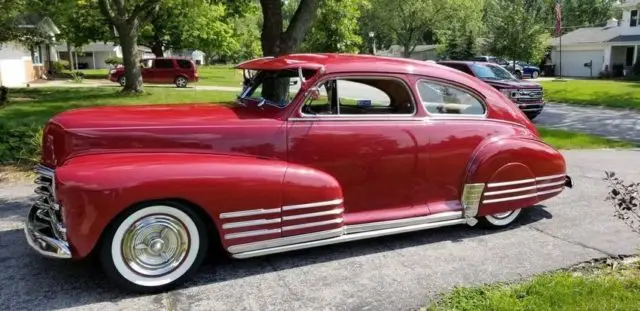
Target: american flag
[558, 10]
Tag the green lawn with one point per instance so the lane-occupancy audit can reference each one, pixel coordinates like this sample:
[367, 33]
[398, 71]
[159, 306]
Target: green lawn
[562, 139]
[603, 289]
[618, 94]
[217, 75]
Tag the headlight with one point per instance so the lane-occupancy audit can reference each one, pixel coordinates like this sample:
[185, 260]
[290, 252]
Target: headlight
[510, 93]
[112, 71]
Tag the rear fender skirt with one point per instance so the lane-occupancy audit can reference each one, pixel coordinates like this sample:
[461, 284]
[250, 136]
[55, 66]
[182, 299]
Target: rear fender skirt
[93, 189]
[514, 173]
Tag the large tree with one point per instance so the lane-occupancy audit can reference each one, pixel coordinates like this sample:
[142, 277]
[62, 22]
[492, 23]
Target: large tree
[127, 17]
[336, 28]
[515, 31]
[409, 20]
[459, 37]
[275, 40]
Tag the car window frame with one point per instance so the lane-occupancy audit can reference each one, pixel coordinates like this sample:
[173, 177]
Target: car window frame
[353, 117]
[155, 61]
[474, 93]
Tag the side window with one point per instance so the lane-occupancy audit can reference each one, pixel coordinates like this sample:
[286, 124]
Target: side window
[163, 63]
[361, 96]
[634, 18]
[439, 99]
[184, 64]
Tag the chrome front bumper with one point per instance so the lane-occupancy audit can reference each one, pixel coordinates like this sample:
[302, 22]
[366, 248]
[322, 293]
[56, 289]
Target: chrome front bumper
[41, 239]
[44, 229]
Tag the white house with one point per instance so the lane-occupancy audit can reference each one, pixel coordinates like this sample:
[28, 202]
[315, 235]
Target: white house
[21, 64]
[195, 55]
[93, 55]
[420, 52]
[617, 43]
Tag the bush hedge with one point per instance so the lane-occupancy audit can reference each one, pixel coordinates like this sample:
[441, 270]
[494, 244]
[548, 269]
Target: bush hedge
[20, 144]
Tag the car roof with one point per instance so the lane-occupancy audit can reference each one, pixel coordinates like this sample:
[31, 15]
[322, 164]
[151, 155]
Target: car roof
[341, 63]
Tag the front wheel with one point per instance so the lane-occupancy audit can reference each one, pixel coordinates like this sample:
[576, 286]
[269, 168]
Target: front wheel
[500, 220]
[535, 75]
[154, 247]
[122, 81]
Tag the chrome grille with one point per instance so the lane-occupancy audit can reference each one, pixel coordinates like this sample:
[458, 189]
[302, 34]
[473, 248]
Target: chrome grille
[48, 212]
[533, 94]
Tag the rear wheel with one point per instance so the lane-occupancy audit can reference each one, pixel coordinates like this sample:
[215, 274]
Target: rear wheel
[535, 74]
[181, 81]
[122, 80]
[500, 220]
[154, 247]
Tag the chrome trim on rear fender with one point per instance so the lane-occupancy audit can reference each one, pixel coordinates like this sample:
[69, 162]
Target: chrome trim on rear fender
[471, 202]
[525, 196]
[311, 205]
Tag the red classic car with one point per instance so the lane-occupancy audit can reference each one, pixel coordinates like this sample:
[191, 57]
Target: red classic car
[318, 149]
[166, 70]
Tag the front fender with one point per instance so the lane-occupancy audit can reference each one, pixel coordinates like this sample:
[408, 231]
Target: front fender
[508, 160]
[93, 189]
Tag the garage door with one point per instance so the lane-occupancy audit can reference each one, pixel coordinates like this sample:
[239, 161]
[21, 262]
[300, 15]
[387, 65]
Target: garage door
[573, 63]
[12, 73]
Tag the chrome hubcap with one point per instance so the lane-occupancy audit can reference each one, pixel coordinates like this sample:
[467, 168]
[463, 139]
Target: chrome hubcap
[502, 215]
[182, 81]
[155, 245]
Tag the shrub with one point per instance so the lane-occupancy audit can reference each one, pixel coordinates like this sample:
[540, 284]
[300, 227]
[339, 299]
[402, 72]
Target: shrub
[59, 66]
[625, 199]
[20, 144]
[617, 70]
[113, 61]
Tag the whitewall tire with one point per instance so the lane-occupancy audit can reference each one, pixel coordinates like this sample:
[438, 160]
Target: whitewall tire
[154, 247]
[501, 220]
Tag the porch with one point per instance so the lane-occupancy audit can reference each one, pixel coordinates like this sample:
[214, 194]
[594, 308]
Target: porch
[621, 58]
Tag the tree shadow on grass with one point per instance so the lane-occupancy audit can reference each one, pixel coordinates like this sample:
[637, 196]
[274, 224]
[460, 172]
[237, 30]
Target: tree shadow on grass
[51, 284]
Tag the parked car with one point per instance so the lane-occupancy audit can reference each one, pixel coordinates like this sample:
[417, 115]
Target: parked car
[529, 70]
[527, 95]
[512, 67]
[366, 147]
[176, 71]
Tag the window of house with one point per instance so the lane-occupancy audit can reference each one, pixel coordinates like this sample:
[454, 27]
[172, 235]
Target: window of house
[163, 63]
[361, 96]
[634, 18]
[441, 99]
[184, 64]
[629, 56]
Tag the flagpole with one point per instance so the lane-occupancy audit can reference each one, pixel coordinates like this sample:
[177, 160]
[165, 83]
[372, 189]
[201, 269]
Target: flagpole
[561, 55]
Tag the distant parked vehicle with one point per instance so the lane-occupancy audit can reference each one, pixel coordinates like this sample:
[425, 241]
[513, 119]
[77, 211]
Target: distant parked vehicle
[178, 71]
[526, 95]
[491, 59]
[528, 70]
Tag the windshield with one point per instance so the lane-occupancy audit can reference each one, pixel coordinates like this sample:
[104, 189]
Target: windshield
[273, 87]
[491, 72]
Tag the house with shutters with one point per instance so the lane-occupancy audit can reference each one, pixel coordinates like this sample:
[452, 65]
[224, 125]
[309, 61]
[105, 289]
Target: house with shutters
[585, 52]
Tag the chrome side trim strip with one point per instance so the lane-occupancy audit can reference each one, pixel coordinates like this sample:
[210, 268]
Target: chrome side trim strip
[246, 234]
[313, 224]
[550, 177]
[510, 183]
[311, 205]
[510, 190]
[551, 184]
[318, 214]
[347, 238]
[250, 223]
[524, 181]
[521, 196]
[296, 239]
[388, 224]
[249, 213]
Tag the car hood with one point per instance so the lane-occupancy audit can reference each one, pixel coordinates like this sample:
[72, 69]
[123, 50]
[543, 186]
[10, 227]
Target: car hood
[210, 128]
[167, 115]
[519, 84]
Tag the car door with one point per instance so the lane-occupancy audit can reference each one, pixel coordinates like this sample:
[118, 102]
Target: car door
[163, 71]
[363, 131]
[147, 70]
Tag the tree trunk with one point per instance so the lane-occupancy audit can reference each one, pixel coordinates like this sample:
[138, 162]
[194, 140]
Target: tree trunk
[271, 27]
[407, 50]
[70, 56]
[130, 58]
[157, 48]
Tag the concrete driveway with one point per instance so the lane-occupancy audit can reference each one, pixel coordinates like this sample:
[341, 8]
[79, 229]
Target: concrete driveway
[612, 123]
[391, 273]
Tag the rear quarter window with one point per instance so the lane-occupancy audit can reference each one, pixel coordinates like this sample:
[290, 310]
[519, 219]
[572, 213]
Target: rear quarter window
[184, 64]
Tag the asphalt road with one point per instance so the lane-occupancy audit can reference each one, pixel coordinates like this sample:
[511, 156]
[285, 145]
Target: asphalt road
[391, 273]
[612, 123]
